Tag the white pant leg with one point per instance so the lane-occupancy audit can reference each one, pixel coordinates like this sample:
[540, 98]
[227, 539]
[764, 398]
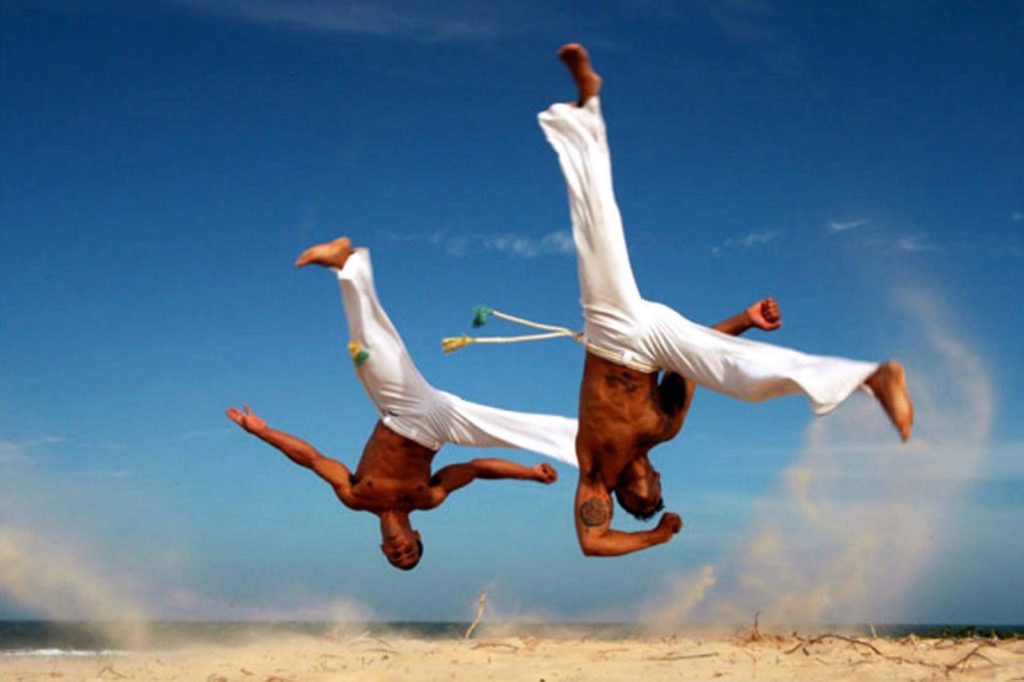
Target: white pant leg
[410, 406]
[466, 423]
[624, 328]
[392, 382]
[608, 291]
[749, 370]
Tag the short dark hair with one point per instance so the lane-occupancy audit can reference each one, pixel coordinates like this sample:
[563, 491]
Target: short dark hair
[639, 516]
[419, 545]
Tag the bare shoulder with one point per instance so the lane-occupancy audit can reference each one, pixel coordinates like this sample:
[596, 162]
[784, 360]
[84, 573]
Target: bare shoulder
[347, 497]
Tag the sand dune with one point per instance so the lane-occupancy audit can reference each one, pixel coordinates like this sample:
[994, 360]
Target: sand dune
[548, 659]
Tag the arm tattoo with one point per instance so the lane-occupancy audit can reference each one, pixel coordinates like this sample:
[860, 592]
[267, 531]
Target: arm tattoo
[595, 512]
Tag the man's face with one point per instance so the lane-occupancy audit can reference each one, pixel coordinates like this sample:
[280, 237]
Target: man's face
[639, 489]
[403, 550]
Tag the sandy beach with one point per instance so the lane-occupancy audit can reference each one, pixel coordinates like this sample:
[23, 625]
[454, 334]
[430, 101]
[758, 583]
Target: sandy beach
[547, 659]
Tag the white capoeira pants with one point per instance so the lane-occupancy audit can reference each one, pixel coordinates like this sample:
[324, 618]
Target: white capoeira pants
[411, 407]
[620, 326]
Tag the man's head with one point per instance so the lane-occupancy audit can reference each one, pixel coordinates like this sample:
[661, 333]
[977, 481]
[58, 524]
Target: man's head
[401, 545]
[638, 489]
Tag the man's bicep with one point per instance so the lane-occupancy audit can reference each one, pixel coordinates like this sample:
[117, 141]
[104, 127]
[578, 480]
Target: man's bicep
[594, 512]
[453, 477]
[333, 471]
[593, 515]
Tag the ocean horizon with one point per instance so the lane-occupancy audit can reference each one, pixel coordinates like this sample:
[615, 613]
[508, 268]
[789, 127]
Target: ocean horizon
[26, 637]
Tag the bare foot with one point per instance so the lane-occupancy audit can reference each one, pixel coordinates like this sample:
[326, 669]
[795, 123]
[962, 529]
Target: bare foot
[576, 58]
[330, 255]
[889, 384]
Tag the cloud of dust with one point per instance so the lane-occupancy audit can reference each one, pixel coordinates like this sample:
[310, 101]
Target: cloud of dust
[685, 593]
[854, 522]
[55, 583]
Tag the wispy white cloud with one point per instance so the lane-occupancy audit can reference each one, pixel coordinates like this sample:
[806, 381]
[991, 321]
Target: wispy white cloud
[843, 226]
[753, 24]
[747, 241]
[394, 18]
[104, 474]
[911, 243]
[202, 434]
[555, 243]
[559, 242]
[14, 450]
[915, 243]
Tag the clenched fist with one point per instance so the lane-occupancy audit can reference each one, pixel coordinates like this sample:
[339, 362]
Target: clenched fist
[669, 525]
[765, 314]
[545, 473]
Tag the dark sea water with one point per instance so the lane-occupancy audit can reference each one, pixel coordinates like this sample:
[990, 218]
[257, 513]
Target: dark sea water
[50, 638]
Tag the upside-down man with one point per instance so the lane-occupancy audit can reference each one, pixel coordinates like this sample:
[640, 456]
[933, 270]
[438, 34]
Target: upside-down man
[624, 410]
[394, 477]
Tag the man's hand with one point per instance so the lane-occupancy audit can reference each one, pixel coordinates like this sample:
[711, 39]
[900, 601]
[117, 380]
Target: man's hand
[247, 420]
[765, 314]
[669, 525]
[545, 473]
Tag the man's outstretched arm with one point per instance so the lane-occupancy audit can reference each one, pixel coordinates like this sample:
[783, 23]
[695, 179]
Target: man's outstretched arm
[455, 476]
[597, 538]
[299, 451]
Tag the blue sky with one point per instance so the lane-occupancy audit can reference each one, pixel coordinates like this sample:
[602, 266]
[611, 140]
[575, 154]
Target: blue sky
[165, 161]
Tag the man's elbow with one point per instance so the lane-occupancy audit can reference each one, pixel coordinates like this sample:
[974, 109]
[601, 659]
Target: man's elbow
[591, 548]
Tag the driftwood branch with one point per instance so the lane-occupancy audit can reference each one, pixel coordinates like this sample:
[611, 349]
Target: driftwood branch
[821, 638]
[945, 667]
[481, 604]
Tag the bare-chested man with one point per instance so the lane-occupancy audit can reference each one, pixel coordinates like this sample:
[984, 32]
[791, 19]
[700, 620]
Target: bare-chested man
[624, 409]
[394, 476]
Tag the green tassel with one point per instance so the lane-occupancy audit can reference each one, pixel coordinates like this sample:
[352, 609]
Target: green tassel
[481, 314]
[358, 354]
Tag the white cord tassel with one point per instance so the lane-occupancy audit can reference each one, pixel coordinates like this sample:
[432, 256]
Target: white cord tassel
[482, 313]
[528, 323]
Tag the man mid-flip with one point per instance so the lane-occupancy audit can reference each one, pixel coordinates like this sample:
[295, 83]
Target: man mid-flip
[624, 409]
[394, 477]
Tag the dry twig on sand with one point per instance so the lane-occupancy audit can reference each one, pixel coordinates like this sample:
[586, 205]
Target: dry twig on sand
[945, 667]
[385, 647]
[110, 669]
[496, 645]
[821, 638]
[755, 634]
[963, 660]
[680, 657]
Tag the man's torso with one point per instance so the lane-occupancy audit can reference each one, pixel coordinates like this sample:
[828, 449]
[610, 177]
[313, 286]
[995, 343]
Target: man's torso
[623, 413]
[393, 474]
